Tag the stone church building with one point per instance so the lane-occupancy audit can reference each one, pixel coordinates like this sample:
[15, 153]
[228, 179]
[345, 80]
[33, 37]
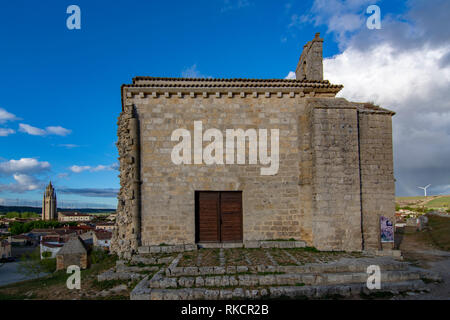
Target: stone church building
[332, 183]
[49, 204]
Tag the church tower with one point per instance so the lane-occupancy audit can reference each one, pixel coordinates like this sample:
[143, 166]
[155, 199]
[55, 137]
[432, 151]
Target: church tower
[49, 204]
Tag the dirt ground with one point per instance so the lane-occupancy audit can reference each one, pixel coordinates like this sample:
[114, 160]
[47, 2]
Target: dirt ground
[54, 287]
[418, 248]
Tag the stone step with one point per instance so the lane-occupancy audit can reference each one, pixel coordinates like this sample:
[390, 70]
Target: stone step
[111, 274]
[252, 244]
[250, 280]
[137, 259]
[167, 248]
[343, 265]
[293, 292]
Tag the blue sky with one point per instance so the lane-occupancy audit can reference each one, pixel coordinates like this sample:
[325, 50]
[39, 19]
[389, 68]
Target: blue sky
[60, 88]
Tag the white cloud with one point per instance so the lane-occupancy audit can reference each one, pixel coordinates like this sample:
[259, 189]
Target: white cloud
[31, 130]
[399, 68]
[403, 81]
[4, 132]
[192, 72]
[24, 165]
[6, 116]
[26, 182]
[69, 145]
[291, 75]
[59, 131]
[23, 183]
[79, 169]
[342, 17]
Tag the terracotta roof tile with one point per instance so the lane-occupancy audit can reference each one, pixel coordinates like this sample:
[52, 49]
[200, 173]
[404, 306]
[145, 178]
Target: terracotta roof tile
[160, 82]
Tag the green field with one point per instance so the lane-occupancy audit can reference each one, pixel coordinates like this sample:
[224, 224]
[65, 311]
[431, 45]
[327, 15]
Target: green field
[439, 232]
[410, 198]
[430, 202]
[443, 202]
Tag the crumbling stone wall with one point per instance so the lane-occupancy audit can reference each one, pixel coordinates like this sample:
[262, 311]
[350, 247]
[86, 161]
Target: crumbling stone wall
[126, 235]
[310, 65]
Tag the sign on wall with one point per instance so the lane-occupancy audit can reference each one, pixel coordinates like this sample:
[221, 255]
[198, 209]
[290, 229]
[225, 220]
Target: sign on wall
[387, 230]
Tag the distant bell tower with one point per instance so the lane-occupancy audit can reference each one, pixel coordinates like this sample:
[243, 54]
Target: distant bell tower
[49, 204]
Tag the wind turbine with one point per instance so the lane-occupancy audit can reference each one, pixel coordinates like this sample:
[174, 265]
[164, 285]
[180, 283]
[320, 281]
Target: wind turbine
[425, 189]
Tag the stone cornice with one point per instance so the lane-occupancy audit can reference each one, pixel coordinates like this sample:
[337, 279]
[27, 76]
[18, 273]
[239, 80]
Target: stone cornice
[155, 87]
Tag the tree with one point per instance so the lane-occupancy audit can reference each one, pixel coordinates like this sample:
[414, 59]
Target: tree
[20, 227]
[32, 265]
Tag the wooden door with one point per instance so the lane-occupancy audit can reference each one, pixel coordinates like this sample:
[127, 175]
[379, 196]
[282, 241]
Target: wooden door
[218, 216]
[208, 218]
[231, 216]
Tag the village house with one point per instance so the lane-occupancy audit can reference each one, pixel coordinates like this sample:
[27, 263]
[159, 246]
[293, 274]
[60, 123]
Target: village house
[88, 238]
[108, 226]
[318, 169]
[21, 240]
[73, 252]
[102, 239]
[74, 217]
[52, 247]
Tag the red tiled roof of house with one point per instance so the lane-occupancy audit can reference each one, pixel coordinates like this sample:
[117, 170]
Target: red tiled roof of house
[21, 236]
[52, 245]
[103, 235]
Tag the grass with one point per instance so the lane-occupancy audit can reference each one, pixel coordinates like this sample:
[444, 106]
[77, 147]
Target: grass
[108, 284]
[376, 295]
[45, 288]
[439, 231]
[442, 202]
[429, 202]
[409, 198]
[16, 296]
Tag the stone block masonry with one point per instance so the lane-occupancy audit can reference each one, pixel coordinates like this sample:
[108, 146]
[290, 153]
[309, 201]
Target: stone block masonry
[335, 176]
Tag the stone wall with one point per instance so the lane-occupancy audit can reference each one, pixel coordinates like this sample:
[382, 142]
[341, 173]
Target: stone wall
[270, 203]
[320, 194]
[336, 223]
[64, 261]
[314, 197]
[377, 174]
[310, 65]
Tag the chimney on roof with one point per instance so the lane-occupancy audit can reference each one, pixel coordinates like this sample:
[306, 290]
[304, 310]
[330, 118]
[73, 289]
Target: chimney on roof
[310, 65]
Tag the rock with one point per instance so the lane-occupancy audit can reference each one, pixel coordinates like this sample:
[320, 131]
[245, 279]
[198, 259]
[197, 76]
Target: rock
[199, 282]
[119, 288]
